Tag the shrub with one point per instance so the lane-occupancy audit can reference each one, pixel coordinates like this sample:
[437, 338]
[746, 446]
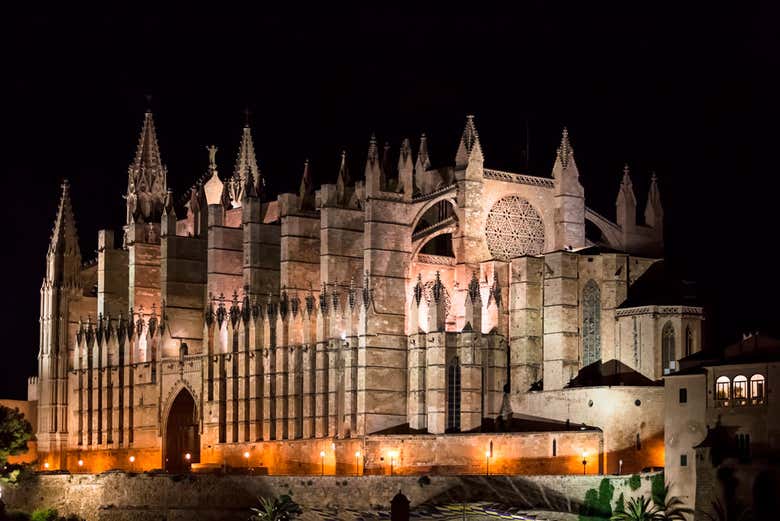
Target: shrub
[634, 482]
[44, 514]
[658, 490]
[598, 504]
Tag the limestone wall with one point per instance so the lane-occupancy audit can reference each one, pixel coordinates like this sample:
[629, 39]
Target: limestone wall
[116, 496]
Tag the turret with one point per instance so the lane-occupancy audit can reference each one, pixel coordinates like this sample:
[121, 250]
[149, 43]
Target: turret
[626, 203]
[569, 198]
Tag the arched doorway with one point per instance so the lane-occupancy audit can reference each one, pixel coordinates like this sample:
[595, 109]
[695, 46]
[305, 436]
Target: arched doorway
[182, 434]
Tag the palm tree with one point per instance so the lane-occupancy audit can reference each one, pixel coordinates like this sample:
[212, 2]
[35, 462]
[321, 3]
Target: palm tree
[637, 509]
[670, 508]
[281, 508]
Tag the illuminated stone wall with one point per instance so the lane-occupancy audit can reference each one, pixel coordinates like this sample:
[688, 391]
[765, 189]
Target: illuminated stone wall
[115, 497]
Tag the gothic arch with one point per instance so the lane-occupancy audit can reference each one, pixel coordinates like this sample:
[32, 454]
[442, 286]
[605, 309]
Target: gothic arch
[446, 196]
[172, 394]
[668, 353]
[182, 429]
[591, 323]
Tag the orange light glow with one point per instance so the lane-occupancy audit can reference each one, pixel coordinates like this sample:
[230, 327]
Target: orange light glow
[322, 454]
[357, 453]
[81, 463]
[46, 465]
[246, 455]
[188, 456]
[132, 459]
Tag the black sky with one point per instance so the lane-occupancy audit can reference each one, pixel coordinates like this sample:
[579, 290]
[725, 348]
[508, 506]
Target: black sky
[688, 91]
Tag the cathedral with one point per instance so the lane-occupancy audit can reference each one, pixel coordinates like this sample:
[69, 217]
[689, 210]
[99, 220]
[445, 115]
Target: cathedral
[410, 319]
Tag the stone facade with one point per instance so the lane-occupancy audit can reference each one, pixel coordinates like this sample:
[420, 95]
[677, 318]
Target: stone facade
[416, 300]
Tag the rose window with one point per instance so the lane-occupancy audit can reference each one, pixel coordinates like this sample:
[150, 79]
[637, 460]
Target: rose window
[514, 228]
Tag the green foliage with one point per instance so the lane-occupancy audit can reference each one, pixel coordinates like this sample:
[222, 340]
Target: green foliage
[620, 506]
[44, 514]
[635, 482]
[15, 431]
[598, 504]
[637, 509]
[281, 508]
[670, 508]
[658, 490]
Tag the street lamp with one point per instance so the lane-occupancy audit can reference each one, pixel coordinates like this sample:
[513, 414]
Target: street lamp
[487, 462]
[132, 460]
[80, 463]
[246, 455]
[357, 462]
[322, 462]
[584, 461]
[46, 465]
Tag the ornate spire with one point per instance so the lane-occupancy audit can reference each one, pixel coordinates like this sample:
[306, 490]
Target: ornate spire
[386, 168]
[564, 150]
[469, 148]
[245, 170]
[418, 289]
[626, 201]
[168, 208]
[64, 237]
[473, 287]
[146, 183]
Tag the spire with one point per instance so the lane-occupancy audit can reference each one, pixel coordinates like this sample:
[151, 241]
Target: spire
[146, 183]
[423, 161]
[343, 180]
[626, 201]
[406, 170]
[564, 150]
[564, 157]
[305, 192]
[469, 148]
[654, 212]
[245, 169]
[373, 171]
[386, 168]
[64, 237]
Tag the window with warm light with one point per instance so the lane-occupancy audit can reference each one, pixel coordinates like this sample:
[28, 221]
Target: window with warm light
[757, 389]
[723, 391]
[740, 390]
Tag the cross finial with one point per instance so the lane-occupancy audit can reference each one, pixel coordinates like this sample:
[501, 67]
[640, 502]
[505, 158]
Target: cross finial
[247, 113]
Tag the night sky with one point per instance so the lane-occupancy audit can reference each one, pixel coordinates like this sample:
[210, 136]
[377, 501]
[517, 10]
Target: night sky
[689, 92]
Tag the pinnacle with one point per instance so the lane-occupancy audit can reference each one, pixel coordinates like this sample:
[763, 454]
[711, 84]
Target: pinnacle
[246, 170]
[469, 147]
[64, 235]
[423, 161]
[147, 155]
[565, 150]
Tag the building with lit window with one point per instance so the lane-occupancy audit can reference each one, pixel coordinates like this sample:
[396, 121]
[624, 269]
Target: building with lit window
[722, 428]
[422, 311]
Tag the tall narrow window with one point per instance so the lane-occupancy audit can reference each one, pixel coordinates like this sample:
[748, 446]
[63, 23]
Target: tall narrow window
[667, 347]
[683, 395]
[591, 323]
[638, 442]
[453, 395]
[555, 448]
[757, 389]
[740, 388]
[688, 341]
[723, 391]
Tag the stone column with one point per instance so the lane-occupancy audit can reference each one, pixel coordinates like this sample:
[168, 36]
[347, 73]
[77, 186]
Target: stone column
[525, 323]
[561, 338]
